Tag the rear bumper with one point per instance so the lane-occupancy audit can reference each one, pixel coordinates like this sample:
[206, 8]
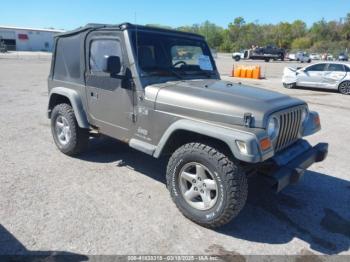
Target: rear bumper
[289, 170]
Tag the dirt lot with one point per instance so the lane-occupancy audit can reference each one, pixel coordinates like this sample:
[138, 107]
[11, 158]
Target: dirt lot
[89, 205]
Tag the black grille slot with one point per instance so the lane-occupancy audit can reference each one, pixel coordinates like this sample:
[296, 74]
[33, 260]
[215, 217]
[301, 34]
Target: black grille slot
[290, 123]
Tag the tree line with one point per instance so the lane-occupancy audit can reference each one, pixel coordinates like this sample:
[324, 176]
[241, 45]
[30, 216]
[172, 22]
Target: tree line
[322, 37]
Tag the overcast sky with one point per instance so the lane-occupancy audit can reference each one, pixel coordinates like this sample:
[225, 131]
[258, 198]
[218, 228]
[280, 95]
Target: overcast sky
[69, 14]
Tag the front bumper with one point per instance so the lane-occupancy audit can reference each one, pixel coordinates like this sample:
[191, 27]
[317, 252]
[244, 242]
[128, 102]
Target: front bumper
[290, 165]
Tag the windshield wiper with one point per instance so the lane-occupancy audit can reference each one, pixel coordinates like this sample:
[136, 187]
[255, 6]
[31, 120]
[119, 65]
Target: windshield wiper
[203, 72]
[157, 73]
[175, 73]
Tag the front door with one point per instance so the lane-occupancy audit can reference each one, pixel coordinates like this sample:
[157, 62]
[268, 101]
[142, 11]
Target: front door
[312, 76]
[110, 101]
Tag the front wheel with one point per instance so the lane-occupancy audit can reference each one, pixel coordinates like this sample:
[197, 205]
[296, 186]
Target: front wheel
[206, 186]
[68, 136]
[237, 58]
[289, 85]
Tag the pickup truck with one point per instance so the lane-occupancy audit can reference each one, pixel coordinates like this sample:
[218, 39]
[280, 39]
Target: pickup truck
[261, 53]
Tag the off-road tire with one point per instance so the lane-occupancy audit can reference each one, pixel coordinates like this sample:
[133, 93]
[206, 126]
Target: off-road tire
[289, 86]
[79, 136]
[230, 178]
[344, 88]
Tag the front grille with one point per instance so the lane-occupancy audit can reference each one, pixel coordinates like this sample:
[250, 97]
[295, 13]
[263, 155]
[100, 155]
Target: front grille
[290, 125]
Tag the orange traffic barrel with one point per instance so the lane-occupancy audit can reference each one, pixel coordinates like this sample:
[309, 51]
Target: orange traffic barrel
[257, 72]
[243, 72]
[237, 72]
[249, 72]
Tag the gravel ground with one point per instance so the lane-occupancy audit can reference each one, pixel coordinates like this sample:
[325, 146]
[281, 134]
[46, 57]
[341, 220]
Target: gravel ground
[90, 205]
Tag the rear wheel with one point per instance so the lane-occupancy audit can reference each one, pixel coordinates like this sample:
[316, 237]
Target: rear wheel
[68, 136]
[344, 88]
[206, 186]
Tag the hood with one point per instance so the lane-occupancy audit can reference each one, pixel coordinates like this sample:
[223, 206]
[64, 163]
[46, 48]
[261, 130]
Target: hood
[218, 101]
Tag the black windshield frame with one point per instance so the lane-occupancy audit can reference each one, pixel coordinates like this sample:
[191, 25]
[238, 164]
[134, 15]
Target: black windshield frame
[162, 43]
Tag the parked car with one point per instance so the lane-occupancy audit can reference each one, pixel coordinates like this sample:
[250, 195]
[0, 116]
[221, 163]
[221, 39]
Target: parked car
[303, 57]
[123, 81]
[330, 58]
[292, 57]
[315, 56]
[343, 57]
[329, 75]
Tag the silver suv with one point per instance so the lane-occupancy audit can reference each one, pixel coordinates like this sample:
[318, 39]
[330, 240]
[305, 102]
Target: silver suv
[160, 92]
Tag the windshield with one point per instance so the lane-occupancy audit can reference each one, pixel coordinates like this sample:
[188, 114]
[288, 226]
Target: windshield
[163, 55]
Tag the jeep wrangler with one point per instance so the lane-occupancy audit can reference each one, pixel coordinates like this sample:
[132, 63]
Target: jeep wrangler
[159, 91]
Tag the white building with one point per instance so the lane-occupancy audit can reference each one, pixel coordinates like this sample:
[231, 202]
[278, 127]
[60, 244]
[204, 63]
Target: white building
[27, 39]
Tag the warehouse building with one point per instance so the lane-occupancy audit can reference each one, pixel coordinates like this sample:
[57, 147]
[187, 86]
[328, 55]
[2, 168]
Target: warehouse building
[27, 39]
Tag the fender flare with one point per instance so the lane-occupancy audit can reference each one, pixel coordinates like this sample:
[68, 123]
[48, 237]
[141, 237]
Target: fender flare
[226, 135]
[75, 101]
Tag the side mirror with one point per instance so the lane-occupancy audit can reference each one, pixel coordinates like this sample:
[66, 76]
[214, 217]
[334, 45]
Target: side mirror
[112, 65]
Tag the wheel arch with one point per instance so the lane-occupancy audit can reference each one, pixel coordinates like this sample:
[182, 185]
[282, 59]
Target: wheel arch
[185, 131]
[65, 95]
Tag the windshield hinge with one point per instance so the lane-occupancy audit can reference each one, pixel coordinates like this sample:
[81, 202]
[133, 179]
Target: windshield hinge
[132, 117]
[248, 118]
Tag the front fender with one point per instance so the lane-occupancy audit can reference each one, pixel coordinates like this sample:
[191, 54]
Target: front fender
[75, 101]
[224, 134]
[312, 124]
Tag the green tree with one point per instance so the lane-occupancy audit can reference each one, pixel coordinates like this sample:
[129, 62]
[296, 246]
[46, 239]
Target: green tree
[301, 43]
[298, 29]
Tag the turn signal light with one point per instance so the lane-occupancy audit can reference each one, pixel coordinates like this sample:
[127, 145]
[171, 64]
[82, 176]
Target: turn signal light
[317, 120]
[265, 144]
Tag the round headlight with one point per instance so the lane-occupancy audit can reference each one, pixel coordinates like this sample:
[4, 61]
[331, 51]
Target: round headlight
[304, 115]
[273, 128]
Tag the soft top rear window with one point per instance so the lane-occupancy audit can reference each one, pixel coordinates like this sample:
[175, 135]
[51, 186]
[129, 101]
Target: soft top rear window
[67, 59]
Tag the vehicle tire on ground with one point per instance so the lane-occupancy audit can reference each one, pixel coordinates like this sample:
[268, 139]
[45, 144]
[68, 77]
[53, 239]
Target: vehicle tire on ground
[68, 136]
[267, 60]
[282, 57]
[207, 186]
[237, 58]
[344, 88]
[289, 85]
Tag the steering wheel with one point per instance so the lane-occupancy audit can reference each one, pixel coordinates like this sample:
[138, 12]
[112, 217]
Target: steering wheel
[179, 63]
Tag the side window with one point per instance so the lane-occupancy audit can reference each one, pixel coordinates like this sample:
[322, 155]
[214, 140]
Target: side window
[101, 48]
[67, 59]
[318, 67]
[335, 68]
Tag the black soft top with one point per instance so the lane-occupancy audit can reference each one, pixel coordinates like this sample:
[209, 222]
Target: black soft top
[121, 27]
[68, 59]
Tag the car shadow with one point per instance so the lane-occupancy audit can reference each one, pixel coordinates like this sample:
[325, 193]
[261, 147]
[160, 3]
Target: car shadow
[11, 249]
[324, 90]
[316, 210]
